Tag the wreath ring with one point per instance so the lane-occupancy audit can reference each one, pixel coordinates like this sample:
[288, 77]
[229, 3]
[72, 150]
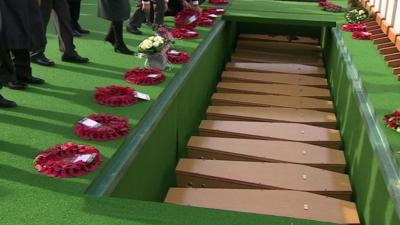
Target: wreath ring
[62, 160]
[115, 96]
[144, 76]
[111, 128]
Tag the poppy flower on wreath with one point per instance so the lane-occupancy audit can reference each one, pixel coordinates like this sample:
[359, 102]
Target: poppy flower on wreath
[215, 11]
[67, 160]
[392, 120]
[102, 127]
[184, 33]
[144, 76]
[361, 35]
[205, 21]
[187, 18]
[354, 27]
[218, 2]
[115, 96]
[177, 57]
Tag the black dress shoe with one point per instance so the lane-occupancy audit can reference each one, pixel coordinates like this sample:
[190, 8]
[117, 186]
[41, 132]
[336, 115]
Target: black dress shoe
[16, 85]
[121, 48]
[83, 31]
[75, 59]
[76, 33]
[6, 103]
[42, 60]
[31, 80]
[134, 30]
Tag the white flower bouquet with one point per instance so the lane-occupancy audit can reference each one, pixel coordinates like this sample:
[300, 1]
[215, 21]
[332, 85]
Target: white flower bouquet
[357, 15]
[152, 45]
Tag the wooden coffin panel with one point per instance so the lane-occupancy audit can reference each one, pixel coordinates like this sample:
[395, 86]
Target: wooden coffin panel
[230, 99]
[274, 78]
[272, 114]
[266, 151]
[294, 204]
[267, 57]
[290, 68]
[272, 131]
[279, 46]
[261, 175]
[274, 89]
[279, 38]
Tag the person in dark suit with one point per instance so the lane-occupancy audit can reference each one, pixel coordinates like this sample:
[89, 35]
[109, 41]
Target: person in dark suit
[115, 11]
[75, 11]
[143, 14]
[21, 29]
[59, 11]
[175, 6]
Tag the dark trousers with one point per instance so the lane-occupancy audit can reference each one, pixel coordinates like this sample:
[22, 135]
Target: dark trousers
[140, 16]
[22, 63]
[75, 11]
[59, 11]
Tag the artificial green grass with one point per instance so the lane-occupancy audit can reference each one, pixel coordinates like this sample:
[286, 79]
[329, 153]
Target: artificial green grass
[382, 86]
[271, 11]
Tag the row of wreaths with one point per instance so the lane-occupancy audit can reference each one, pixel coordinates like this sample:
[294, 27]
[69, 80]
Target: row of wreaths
[72, 160]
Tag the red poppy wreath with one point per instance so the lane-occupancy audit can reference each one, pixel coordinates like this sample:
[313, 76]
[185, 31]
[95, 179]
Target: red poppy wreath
[215, 11]
[361, 35]
[102, 127]
[218, 2]
[392, 120]
[144, 76]
[354, 27]
[184, 33]
[187, 18]
[67, 160]
[115, 96]
[205, 21]
[177, 57]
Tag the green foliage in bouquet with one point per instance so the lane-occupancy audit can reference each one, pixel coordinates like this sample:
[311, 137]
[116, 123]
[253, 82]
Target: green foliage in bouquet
[356, 15]
[152, 44]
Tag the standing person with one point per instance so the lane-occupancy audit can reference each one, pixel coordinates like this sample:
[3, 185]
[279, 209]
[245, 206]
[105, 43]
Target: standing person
[21, 30]
[75, 11]
[62, 22]
[142, 12]
[115, 11]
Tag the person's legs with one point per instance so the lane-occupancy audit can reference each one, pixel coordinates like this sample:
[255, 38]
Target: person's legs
[22, 64]
[37, 55]
[119, 44]
[62, 24]
[75, 11]
[136, 20]
[159, 8]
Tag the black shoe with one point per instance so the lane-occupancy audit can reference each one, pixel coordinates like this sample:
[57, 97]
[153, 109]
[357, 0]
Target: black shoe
[31, 80]
[134, 30]
[6, 103]
[42, 60]
[16, 85]
[123, 49]
[83, 31]
[75, 59]
[76, 33]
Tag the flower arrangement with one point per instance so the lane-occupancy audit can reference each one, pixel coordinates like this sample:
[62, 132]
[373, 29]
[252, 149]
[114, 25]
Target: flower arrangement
[152, 45]
[67, 160]
[393, 120]
[109, 128]
[356, 15]
[144, 76]
[115, 96]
